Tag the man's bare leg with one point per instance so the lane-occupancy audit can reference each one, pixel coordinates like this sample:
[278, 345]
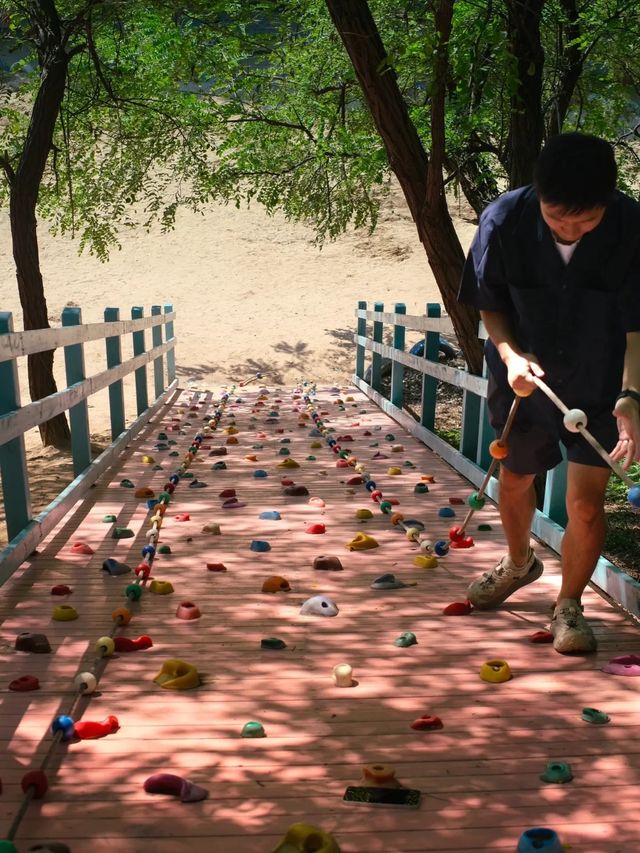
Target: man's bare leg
[517, 505]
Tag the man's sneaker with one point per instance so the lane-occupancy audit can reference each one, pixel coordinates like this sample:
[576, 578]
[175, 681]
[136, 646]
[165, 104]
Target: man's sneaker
[571, 631]
[496, 586]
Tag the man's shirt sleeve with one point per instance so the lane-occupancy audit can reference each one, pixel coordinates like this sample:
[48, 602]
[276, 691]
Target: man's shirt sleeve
[629, 300]
[484, 281]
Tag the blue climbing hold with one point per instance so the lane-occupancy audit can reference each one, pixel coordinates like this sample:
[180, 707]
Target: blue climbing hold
[446, 512]
[259, 545]
[113, 567]
[633, 496]
[539, 839]
[271, 515]
[260, 473]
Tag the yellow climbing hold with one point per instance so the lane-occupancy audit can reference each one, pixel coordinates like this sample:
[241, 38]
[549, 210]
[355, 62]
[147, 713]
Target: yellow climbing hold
[305, 838]
[362, 542]
[393, 472]
[177, 675]
[65, 613]
[148, 460]
[212, 528]
[364, 513]
[495, 671]
[161, 587]
[315, 445]
[288, 463]
[425, 562]
[231, 430]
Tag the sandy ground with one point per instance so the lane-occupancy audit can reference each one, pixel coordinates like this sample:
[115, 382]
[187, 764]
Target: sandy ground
[251, 292]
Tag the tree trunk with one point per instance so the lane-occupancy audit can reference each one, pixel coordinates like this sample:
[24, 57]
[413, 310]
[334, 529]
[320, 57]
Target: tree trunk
[23, 198]
[527, 125]
[410, 162]
[571, 59]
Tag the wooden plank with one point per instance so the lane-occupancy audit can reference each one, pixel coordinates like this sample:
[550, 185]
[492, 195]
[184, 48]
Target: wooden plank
[19, 344]
[116, 394]
[170, 337]
[411, 322]
[158, 365]
[142, 395]
[78, 414]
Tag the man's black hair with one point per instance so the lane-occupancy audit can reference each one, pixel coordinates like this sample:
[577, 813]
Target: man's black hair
[576, 171]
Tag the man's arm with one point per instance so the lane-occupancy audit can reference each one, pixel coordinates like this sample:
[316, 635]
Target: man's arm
[520, 365]
[627, 410]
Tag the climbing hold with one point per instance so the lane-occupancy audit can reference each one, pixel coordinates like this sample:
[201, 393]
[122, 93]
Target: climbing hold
[413, 522]
[82, 548]
[61, 589]
[197, 484]
[127, 484]
[465, 542]
[113, 567]
[288, 463]
[121, 616]
[327, 564]
[86, 682]
[108, 519]
[259, 545]
[319, 605]
[90, 730]
[127, 644]
[380, 776]
[270, 515]
[296, 491]
[316, 528]
[595, 717]
[216, 567]
[253, 729]
[485, 527]
[315, 445]
[362, 542]
[412, 533]
[218, 451]
[628, 665]
[161, 587]
[164, 549]
[427, 723]
[36, 643]
[64, 613]
[343, 675]
[187, 610]
[389, 437]
[541, 637]
[251, 457]
[63, 724]
[455, 501]
[446, 512]
[213, 528]
[355, 481]
[421, 488]
[495, 671]
[219, 466]
[272, 643]
[405, 640]
[176, 786]
[177, 675]
[232, 503]
[386, 507]
[284, 451]
[396, 518]
[458, 608]
[316, 502]
[539, 839]
[122, 533]
[364, 513]
[144, 493]
[24, 683]
[558, 772]
[389, 581]
[260, 473]
[276, 583]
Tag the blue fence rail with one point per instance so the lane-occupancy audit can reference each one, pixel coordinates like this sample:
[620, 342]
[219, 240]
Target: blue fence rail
[23, 530]
[471, 458]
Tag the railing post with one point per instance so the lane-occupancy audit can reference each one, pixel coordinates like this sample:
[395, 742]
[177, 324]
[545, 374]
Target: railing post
[486, 432]
[158, 363]
[376, 358]
[430, 383]
[78, 417]
[114, 358]
[171, 355]
[397, 369]
[555, 492]
[142, 398]
[13, 462]
[361, 331]
[470, 424]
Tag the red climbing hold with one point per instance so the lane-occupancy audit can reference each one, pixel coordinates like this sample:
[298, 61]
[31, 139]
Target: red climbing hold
[466, 542]
[355, 481]
[216, 567]
[167, 783]
[24, 684]
[541, 637]
[227, 493]
[427, 723]
[286, 482]
[342, 463]
[183, 516]
[61, 589]
[456, 534]
[456, 501]
[90, 730]
[82, 548]
[316, 528]
[458, 608]
[126, 644]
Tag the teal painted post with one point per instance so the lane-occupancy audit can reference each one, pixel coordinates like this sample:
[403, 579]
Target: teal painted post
[158, 363]
[78, 416]
[13, 462]
[142, 399]
[397, 369]
[114, 358]
[555, 492]
[470, 424]
[376, 359]
[486, 432]
[171, 355]
[430, 383]
[361, 331]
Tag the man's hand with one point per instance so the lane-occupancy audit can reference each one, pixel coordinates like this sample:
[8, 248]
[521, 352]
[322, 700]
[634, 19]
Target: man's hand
[627, 414]
[520, 369]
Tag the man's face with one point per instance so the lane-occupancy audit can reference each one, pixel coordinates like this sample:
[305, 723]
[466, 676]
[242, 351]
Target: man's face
[569, 227]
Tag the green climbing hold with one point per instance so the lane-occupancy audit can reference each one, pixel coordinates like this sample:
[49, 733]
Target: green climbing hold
[311, 458]
[164, 549]
[285, 441]
[408, 464]
[133, 592]
[162, 436]
[406, 639]
[174, 453]
[157, 468]
[162, 446]
[8, 847]
[272, 643]
[127, 484]
[108, 519]
[421, 488]
[188, 475]
[284, 451]
[389, 437]
[373, 444]
[253, 729]
[122, 533]
[258, 446]
[219, 466]
[557, 772]
[484, 527]
[595, 717]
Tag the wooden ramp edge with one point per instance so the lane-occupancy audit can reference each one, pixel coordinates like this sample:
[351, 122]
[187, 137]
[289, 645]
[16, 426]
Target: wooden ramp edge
[479, 775]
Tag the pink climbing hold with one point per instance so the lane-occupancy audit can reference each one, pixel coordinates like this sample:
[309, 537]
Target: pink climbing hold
[541, 637]
[82, 548]
[316, 502]
[126, 644]
[316, 528]
[232, 503]
[458, 608]
[183, 516]
[89, 730]
[286, 482]
[342, 463]
[167, 783]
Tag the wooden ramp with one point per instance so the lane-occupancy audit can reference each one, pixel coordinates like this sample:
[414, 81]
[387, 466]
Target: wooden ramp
[479, 775]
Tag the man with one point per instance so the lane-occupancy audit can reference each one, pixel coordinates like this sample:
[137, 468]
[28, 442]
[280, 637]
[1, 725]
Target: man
[555, 271]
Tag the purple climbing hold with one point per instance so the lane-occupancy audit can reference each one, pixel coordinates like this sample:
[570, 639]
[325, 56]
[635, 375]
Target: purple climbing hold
[177, 786]
[628, 665]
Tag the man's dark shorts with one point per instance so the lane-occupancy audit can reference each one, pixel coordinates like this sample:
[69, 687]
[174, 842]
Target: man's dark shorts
[534, 440]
